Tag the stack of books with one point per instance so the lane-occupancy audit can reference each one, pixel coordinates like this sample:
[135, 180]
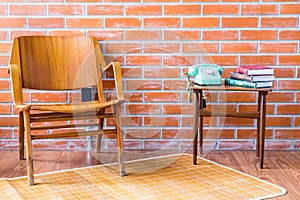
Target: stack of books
[251, 76]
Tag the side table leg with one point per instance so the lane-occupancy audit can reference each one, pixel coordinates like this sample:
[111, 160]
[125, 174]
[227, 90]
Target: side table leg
[196, 124]
[258, 125]
[262, 125]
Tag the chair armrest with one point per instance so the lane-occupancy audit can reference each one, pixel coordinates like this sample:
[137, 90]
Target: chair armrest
[118, 78]
[15, 75]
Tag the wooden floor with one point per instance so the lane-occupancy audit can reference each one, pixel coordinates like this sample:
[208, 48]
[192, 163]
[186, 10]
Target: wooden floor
[281, 167]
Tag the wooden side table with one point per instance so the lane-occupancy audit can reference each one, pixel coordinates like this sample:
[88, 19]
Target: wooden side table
[199, 113]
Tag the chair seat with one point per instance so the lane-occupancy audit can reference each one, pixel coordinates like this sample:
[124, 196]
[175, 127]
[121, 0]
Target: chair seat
[76, 107]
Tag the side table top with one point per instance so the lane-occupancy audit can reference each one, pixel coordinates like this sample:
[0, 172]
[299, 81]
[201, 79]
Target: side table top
[227, 87]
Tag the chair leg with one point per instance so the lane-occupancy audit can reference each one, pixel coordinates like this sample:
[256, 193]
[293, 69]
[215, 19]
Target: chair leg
[120, 146]
[21, 136]
[99, 137]
[28, 148]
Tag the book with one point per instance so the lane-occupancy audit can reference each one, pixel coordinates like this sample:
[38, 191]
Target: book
[242, 83]
[255, 70]
[251, 78]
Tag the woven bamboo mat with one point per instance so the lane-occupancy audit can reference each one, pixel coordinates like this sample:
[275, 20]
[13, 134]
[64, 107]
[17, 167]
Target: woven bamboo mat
[166, 177]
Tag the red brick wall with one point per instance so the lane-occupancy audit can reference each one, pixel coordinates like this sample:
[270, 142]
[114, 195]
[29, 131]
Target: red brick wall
[155, 41]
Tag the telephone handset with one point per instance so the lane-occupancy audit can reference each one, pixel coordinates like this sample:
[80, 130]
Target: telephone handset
[206, 74]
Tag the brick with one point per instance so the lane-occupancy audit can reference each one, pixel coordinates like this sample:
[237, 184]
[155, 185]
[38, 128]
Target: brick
[131, 72]
[259, 9]
[253, 108]
[48, 0]
[122, 22]
[178, 109]
[277, 145]
[258, 34]
[297, 121]
[104, 9]
[236, 145]
[178, 60]
[239, 47]
[175, 85]
[142, 133]
[200, 22]
[144, 108]
[116, 48]
[5, 47]
[239, 22]
[278, 121]
[207, 121]
[48, 97]
[8, 121]
[27, 9]
[163, 22]
[277, 97]
[160, 144]
[243, 1]
[161, 72]
[297, 96]
[161, 121]
[45, 22]
[231, 122]
[4, 84]
[220, 35]
[106, 34]
[67, 32]
[3, 35]
[76, 9]
[284, 72]
[143, 9]
[13, 22]
[177, 133]
[111, 145]
[142, 60]
[181, 35]
[258, 60]
[84, 23]
[290, 9]
[182, 9]
[289, 34]
[220, 9]
[5, 133]
[222, 60]
[287, 133]
[289, 60]
[17, 33]
[143, 84]
[238, 97]
[5, 109]
[3, 10]
[161, 96]
[197, 47]
[279, 22]
[6, 97]
[118, 1]
[159, 1]
[296, 145]
[279, 47]
[133, 96]
[143, 35]
[288, 109]
[130, 121]
[161, 47]
[4, 60]
[252, 133]
[9, 144]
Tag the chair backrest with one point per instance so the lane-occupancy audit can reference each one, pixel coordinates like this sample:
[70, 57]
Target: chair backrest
[58, 62]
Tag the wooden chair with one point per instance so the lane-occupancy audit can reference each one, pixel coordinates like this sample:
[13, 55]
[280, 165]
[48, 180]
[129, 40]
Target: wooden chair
[65, 63]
